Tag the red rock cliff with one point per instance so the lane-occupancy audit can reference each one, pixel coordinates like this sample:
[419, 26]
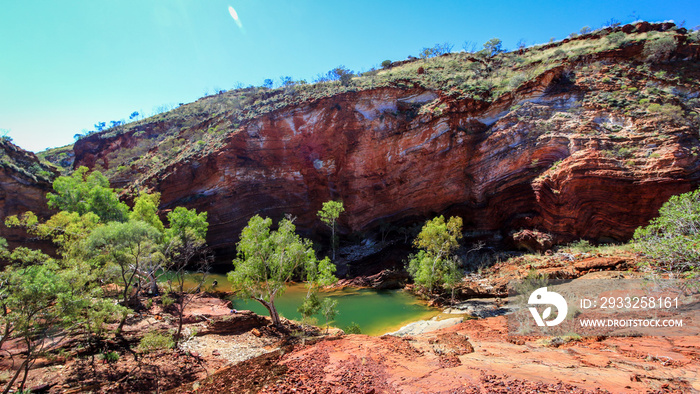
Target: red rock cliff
[22, 190]
[569, 152]
[373, 151]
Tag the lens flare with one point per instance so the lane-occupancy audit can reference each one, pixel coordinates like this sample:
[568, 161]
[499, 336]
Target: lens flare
[234, 15]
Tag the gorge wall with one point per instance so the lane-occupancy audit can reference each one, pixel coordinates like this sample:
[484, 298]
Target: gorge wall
[22, 190]
[552, 155]
[388, 160]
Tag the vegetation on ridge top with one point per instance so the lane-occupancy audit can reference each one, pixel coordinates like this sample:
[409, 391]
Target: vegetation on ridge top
[194, 129]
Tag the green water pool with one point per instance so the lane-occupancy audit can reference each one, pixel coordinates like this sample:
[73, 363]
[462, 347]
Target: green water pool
[375, 311]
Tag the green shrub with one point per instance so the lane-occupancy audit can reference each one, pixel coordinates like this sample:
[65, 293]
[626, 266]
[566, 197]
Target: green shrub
[493, 47]
[156, 341]
[353, 328]
[581, 246]
[559, 54]
[659, 49]
[623, 152]
[517, 80]
[667, 110]
[673, 238]
[437, 50]
[617, 38]
[166, 300]
[110, 357]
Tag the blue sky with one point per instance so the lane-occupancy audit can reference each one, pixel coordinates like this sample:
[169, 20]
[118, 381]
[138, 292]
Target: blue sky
[66, 65]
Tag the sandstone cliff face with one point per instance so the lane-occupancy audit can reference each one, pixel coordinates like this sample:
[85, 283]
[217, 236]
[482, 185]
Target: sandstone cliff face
[21, 190]
[570, 152]
[373, 151]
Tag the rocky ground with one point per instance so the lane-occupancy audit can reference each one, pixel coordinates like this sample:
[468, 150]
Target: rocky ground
[466, 350]
[472, 357]
[214, 338]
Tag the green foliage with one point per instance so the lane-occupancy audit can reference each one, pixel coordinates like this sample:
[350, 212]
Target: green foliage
[659, 49]
[310, 306]
[133, 248]
[436, 50]
[670, 111]
[38, 300]
[146, 210]
[37, 296]
[517, 80]
[110, 357]
[673, 238]
[342, 74]
[493, 47]
[581, 246]
[4, 253]
[66, 229]
[531, 282]
[269, 259]
[329, 310]
[99, 241]
[329, 214]
[154, 341]
[386, 63]
[185, 240]
[434, 265]
[187, 223]
[166, 300]
[353, 328]
[82, 193]
[23, 256]
[617, 38]
[318, 274]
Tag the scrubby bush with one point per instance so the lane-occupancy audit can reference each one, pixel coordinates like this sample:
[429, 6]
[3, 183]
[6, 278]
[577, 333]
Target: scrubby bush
[667, 110]
[617, 38]
[517, 80]
[673, 238]
[156, 341]
[353, 328]
[493, 47]
[435, 264]
[437, 50]
[110, 357]
[659, 49]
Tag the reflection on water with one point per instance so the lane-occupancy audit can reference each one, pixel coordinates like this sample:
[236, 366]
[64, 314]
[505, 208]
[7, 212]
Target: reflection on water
[376, 311]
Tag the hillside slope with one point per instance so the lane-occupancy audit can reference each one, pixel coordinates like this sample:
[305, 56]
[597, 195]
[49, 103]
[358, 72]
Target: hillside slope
[24, 182]
[584, 138]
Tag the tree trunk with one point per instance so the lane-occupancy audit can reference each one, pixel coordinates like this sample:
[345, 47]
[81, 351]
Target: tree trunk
[24, 379]
[181, 317]
[154, 284]
[19, 370]
[270, 306]
[121, 323]
[6, 330]
[333, 239]
[275, 315]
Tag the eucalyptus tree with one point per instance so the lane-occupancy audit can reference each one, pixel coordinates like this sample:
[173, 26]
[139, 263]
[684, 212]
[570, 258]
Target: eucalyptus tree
[329, 215]
[132, 248]
[269, 259]
[434, 264]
